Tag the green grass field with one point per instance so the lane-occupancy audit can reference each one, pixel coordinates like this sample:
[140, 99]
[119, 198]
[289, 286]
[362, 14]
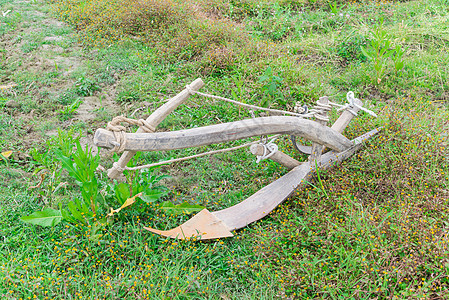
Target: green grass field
[376, 227]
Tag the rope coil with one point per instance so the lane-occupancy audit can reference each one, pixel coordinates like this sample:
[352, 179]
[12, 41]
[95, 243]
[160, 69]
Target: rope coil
[119, 130]
[268, 150]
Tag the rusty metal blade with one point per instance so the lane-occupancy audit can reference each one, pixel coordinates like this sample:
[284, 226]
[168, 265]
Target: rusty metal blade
[204, 225]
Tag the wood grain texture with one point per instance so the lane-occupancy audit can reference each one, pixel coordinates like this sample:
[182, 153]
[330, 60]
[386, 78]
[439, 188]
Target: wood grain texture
[154, 120]
[226, 132]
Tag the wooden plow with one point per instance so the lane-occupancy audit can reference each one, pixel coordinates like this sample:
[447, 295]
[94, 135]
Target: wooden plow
[219, 224]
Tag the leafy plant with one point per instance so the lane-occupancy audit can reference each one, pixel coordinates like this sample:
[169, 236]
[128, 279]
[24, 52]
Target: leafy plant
[270, 88]
[96, 196]
[86, 86]
[82, 166]
[350, 48]
[398, 59]
[379, 52]
[68, 111]
[47, 165]
[143, 183]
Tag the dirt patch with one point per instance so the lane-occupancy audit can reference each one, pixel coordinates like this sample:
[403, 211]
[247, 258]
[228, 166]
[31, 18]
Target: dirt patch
[52, 48]
[43, 71]
[54, 23]
[53, 38]
[87, 111]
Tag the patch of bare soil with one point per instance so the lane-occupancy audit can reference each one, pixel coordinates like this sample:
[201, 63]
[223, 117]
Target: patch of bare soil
[43, 63]
[91, 107]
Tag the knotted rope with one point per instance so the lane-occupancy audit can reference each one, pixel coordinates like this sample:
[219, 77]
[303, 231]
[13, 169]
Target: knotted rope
[351, 104]
[119, 131]
[321, 110]
[269, 148]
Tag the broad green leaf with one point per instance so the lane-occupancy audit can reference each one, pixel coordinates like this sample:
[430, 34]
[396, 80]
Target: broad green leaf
[181, 208]
[152, 195]
[67, 216]
[121, 192]
[68, 164]
[47, 218]
[74, 211]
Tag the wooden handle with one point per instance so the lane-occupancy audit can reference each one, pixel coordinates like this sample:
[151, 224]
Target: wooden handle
[345, 118]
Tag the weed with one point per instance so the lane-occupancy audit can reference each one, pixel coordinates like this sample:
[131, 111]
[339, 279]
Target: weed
[398, 59]
[335, 8]
[96, 196]
[85, 86]
[379, 52]
[68, 111]
[47, 167]
[270, 88]
[350, 48]
[68, 97]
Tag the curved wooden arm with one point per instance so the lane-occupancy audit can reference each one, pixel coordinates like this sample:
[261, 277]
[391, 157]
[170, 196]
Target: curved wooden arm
[226, 132]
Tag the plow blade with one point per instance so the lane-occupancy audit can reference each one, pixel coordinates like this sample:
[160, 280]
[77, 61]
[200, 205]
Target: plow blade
[219, 224]
[204, 224]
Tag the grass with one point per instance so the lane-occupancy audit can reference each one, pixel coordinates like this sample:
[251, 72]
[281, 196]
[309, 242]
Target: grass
[376, 227]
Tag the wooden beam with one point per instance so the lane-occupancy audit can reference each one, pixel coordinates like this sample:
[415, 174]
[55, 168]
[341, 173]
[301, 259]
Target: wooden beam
[154, 120]
[340, 124]
[226, 132]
